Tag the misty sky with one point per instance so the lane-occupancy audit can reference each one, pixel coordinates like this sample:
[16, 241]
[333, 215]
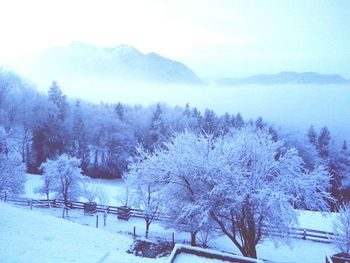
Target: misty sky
[214, 38]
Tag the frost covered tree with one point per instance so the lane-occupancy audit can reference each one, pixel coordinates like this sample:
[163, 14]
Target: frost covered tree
[245, 182]
[48, 184]
[12, 170]
[257, 186]
[166, 178]
[186, 156]
[341, 228]
[307, 150]
[93, 192]
[66, 174]
[143, 184]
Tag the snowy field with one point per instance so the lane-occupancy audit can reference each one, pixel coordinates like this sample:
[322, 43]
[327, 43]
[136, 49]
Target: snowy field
[44, 234]
[32, 236]
[114, 188]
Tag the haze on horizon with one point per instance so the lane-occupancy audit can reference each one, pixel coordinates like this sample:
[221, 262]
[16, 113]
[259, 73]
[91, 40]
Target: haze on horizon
[215, 38]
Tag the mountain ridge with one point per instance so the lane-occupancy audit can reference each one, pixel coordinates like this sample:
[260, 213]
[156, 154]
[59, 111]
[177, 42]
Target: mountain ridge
[120, 63]
[126, 64]
[285, 77]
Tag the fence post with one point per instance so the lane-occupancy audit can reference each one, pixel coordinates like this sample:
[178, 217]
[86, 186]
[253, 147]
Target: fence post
[31, 204]
[134, 232]
[304, 234]
[5, 197]
[64, 211]
[173, 238]
[96, 221]
[104, 217]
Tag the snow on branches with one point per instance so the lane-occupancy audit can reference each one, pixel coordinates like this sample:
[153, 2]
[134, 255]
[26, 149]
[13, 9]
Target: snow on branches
[245, 182]
[12, 170]
[342, 229]
[64, 177]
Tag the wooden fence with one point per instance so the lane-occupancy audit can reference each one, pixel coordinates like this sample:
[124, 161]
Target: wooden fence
[304, 234]
[298, 233]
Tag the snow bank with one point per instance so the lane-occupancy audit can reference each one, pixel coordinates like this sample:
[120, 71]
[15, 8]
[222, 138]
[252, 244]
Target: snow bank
[30, 236]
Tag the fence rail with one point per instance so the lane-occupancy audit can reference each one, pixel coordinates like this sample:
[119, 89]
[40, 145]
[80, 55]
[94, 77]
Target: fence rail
[303, 233]
[298, 233]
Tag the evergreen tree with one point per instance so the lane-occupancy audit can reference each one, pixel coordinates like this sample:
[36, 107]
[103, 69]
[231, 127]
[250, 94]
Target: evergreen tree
[342, 173]
[225, 123]
[210, 122]
[197, 116]
[239, 122]
[187, 110]
[56, 96]
[273, 133]
[157, 129]
[323, 143]
[80, 147]
[59, 133]
[119, 110]
[312, 135]
[259, 123]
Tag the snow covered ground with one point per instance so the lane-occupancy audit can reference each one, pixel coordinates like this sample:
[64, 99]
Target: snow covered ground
[296, 251]
[42, 234]
[33, 236]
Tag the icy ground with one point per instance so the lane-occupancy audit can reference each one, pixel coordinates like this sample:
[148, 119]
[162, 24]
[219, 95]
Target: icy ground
[37, 233]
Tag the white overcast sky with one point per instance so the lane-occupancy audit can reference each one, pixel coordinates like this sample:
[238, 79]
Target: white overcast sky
[215, 38]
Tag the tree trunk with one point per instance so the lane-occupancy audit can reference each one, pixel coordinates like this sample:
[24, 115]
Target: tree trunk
[65, 196]
[193, 238]
[48, 199]
[252, 252]
[147, 228]
[248, 232]
[65, 200]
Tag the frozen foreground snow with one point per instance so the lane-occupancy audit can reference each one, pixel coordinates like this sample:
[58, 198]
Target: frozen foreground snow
[30, 236]
[41, 235]
[100, 242]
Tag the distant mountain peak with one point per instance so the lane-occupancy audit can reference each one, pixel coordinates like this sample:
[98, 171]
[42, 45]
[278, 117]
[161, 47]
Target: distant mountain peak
[124, 49]
[120, 63]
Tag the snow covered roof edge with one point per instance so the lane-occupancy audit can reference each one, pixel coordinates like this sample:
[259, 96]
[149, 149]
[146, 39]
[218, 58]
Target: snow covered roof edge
[208, 253]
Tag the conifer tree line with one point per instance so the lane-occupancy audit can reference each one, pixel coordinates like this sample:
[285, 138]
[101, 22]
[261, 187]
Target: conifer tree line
[105, 137]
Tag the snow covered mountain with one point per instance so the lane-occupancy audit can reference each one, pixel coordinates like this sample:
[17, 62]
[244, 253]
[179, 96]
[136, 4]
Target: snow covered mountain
[121, 63]
[286, 77]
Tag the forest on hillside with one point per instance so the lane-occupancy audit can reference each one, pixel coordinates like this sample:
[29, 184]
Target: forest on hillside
[105, 137]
